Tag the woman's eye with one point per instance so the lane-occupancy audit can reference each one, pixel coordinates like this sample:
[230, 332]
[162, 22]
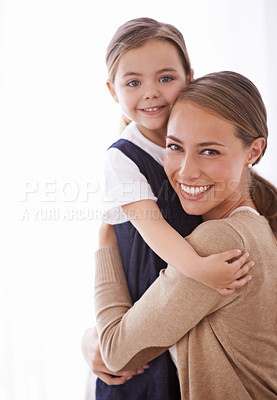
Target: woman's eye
[133, 83]
[210, 152]
[174, 147]
[165, 79]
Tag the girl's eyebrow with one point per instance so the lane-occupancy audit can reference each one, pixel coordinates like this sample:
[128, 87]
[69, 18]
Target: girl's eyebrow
[131, 73]
[167, 69]
[204, 144]
[161, 71]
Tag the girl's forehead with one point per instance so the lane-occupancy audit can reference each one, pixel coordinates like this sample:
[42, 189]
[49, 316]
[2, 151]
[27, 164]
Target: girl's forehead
[152, 52]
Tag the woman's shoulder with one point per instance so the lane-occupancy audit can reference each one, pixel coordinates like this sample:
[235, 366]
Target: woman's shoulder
[234, 232]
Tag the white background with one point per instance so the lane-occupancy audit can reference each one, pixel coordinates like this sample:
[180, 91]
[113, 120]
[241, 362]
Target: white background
[57, 119]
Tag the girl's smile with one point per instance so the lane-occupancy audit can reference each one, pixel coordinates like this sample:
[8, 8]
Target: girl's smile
[153, 110]
[147, 83]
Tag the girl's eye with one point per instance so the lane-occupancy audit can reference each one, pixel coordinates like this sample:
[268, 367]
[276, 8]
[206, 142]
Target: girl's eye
[174, 147]
[210, 152]
[165, 79]
[133, 83]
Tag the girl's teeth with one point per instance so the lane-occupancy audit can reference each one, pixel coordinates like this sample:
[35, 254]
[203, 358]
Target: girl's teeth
[152, 109]
[194, 189]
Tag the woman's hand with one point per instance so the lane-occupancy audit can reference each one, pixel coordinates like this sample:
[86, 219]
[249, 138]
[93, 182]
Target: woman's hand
[92, 355]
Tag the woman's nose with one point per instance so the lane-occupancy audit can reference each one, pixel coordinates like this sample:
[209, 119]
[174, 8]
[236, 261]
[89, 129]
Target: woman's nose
[189, 168]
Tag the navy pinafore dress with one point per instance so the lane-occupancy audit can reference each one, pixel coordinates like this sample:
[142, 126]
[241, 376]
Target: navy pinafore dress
[142, 267]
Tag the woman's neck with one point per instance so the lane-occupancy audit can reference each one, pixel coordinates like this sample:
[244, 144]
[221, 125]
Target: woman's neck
[224, 210]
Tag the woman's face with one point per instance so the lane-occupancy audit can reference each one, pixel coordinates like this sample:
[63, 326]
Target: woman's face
[205, 162]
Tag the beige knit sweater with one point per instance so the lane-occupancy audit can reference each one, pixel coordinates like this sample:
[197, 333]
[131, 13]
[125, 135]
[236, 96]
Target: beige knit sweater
[226, 346]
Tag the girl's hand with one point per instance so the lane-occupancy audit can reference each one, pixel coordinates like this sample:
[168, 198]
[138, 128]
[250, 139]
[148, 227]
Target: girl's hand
[92, 355]
[227, 271]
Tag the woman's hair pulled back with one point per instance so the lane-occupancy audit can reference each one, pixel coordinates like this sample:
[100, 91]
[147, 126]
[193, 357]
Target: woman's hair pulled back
[236, 99]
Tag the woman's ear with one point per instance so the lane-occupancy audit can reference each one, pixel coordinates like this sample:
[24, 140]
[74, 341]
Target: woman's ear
[255, 150]
[112, 91]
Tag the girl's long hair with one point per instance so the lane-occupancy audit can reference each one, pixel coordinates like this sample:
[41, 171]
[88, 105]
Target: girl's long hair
[137, 32]
[237, 100]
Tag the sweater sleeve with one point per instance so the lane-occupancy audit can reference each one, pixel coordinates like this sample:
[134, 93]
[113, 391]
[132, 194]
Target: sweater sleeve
[133, 335]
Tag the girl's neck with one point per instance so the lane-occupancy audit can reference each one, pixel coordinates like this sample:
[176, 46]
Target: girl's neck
[155, 136]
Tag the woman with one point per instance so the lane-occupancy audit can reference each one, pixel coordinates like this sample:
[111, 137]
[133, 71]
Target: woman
[226, 346]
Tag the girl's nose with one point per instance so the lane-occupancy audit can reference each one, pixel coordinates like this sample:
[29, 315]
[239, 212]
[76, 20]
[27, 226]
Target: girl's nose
[151, 92]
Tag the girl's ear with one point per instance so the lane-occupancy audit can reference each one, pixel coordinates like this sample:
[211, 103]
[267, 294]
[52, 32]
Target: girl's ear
[256, 149]
[112, 91]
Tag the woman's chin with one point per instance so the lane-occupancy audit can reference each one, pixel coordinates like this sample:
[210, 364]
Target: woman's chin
[193, 209]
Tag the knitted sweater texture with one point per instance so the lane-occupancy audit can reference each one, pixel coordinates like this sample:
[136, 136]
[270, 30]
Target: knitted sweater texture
[226, 345]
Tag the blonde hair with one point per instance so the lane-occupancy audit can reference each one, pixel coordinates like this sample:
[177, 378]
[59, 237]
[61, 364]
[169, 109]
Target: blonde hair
[137, 32]
[237, 100]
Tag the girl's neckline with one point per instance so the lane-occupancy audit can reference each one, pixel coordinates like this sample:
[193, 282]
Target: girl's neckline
[244, 208]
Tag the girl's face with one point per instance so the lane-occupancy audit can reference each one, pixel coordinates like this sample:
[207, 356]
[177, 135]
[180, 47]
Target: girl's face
[206, 163]
[147, 83]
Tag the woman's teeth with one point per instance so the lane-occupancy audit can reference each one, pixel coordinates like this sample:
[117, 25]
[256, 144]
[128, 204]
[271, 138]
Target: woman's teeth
[194, 189]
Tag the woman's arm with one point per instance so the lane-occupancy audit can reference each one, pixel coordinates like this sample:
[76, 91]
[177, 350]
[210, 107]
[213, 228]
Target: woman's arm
[91, 351]
[214, 271]
[130, 335]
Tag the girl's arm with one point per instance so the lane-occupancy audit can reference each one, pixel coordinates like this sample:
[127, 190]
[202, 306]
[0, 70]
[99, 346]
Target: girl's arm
[215, 271]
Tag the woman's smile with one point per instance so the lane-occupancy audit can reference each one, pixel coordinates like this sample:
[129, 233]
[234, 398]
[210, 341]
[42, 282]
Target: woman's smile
[205, 161]
[194, 192]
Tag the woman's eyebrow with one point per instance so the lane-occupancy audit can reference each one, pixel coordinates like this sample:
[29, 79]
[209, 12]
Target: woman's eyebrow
[173, 138]
[203, 144]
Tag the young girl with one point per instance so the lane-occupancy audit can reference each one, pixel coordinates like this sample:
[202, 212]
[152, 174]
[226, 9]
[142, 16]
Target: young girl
[148, 66]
